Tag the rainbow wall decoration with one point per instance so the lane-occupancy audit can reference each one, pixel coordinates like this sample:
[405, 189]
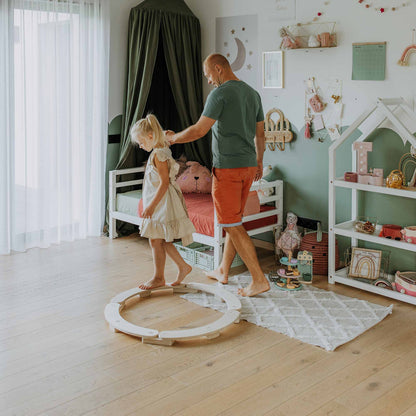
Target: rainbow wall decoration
[404, 59]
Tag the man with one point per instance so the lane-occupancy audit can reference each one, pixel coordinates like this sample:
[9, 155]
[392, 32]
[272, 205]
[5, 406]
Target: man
[235, 113]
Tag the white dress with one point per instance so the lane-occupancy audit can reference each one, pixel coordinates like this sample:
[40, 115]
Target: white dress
[170, 219]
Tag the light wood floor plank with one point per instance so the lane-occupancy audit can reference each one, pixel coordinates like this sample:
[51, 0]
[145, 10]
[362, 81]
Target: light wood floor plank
[58, 356]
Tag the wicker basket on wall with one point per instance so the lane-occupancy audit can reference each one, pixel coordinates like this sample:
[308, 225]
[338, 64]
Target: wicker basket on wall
[319, 251]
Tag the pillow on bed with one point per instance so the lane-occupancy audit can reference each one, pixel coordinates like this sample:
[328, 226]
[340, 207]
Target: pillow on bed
[195, 179]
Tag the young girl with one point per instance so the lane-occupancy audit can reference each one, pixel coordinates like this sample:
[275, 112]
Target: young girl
[165, 216]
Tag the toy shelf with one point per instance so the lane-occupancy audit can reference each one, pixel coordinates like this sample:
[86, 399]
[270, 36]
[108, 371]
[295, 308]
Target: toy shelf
[406, 192]
[405, 129]
[341, 276]
[347, 230]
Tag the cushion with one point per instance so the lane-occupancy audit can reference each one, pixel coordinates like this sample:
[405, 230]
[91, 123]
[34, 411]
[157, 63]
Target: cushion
[195, 179]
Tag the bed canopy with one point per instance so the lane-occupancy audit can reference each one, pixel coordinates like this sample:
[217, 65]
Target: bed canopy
[164, 76]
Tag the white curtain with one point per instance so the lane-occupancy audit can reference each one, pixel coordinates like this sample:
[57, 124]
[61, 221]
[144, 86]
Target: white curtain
[53, 120]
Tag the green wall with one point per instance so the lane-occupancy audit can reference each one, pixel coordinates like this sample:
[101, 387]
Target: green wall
[303, 166]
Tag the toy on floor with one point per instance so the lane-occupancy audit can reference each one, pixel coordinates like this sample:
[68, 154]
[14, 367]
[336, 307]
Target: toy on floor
[152, 336]
[305, 266]
[290, 238]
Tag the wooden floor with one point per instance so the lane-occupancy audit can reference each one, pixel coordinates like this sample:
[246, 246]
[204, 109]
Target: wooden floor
[58, 357]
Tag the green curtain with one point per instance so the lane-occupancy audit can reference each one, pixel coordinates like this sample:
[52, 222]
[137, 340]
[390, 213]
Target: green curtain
[182, 46]
[171, 22]
[143, 39]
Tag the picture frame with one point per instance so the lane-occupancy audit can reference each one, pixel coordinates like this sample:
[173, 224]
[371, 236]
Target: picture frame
[273, 69]
[365, 263]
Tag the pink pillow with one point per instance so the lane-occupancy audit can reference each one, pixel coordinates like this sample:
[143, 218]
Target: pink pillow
[195, 179]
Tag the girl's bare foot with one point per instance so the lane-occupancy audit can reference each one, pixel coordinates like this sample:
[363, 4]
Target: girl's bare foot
[153, 283]
[217, 274]
[182, 273]
[254, 289]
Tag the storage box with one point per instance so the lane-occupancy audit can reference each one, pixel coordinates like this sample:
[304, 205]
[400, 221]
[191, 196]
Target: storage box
[188, 252]
[202, 256]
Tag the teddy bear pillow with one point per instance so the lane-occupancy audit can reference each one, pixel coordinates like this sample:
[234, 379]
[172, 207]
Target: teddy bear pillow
[195, 179]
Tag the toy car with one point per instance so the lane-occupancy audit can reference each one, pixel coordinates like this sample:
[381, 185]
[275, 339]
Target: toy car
[391, 231]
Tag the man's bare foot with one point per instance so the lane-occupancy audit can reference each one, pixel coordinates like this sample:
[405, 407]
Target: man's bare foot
[217, 274]
[153, 283]
[182, 273]
[254, 289]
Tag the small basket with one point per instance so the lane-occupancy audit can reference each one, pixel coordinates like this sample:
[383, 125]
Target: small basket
[202, 256]
[204, 259]
[188, 252]
[366, 225]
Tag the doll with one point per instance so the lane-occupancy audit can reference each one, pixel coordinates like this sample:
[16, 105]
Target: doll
[290, 239]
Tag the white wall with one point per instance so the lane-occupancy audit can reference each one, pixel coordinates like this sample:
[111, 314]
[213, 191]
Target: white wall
[354, 24]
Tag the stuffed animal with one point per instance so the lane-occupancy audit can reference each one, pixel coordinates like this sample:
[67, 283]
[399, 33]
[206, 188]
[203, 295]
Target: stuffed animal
[195, 179]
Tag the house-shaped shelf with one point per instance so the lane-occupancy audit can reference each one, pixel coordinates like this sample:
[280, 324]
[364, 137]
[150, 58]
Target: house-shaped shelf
[392, 113]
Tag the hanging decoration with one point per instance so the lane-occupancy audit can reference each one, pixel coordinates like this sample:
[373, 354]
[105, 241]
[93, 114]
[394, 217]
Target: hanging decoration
[383, 6]
[404, 59]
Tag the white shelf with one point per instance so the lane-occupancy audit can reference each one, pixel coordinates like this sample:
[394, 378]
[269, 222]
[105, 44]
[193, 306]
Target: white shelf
[347, 230]
[403, 127]
[407, 192]
[341, 276]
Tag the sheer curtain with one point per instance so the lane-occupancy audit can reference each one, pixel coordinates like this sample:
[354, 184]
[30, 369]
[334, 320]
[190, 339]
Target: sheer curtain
[53, 120]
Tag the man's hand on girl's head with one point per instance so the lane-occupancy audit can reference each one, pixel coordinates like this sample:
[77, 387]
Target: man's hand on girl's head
[169, 136]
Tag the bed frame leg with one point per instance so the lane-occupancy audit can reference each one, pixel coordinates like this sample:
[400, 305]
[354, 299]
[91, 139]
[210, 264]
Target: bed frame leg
[112, 227]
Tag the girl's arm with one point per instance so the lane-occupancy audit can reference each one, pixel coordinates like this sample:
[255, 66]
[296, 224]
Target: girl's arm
[163, 170]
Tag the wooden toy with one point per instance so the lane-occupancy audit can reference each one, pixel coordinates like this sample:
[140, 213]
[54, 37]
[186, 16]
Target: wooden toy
[350, 177]
[362, 149]
[305, 266]
[391, 231]
[152, 336]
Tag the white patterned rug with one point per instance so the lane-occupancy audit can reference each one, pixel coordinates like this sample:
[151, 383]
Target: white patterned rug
[310, 315]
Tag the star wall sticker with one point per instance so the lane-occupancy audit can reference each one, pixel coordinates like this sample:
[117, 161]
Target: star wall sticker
[249, 67]
[233, 31]
[225, 44]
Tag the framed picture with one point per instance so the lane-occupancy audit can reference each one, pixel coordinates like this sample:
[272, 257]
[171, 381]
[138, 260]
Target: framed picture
[365, 263]
[273, 69]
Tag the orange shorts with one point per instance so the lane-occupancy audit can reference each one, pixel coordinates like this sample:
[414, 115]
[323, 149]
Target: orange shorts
[230, 188]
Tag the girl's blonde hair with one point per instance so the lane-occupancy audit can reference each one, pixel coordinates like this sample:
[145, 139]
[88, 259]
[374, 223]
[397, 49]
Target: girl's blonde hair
[144, 126]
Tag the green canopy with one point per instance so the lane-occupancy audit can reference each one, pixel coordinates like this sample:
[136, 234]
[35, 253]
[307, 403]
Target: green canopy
[164, 76]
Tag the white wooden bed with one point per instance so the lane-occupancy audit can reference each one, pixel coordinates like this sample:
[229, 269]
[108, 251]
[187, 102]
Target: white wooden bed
[216, 241]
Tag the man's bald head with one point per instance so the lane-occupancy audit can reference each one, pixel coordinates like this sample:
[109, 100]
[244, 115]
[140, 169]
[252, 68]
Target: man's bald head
[217, 59]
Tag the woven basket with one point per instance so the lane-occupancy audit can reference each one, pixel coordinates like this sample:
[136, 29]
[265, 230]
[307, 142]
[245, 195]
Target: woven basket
[319, 251]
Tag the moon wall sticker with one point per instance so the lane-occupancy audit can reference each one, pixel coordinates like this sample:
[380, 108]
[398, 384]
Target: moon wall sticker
[241, 56]
[236, 39]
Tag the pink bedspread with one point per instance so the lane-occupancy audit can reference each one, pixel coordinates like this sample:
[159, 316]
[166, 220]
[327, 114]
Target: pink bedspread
[201, 213]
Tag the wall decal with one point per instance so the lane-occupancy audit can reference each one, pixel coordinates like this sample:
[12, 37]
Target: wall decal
[236, 39]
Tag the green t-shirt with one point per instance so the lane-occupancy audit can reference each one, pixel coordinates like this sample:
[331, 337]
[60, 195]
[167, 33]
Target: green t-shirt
[237, 108]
